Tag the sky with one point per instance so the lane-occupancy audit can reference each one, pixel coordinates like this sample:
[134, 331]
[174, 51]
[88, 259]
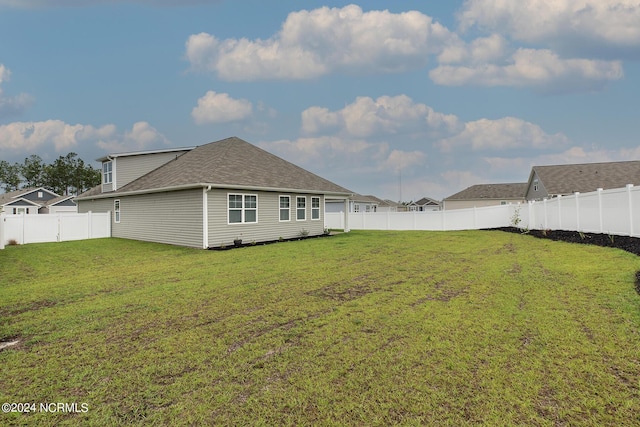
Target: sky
[401, 100]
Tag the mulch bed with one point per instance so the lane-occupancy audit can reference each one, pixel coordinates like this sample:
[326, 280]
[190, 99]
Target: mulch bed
[629, 244]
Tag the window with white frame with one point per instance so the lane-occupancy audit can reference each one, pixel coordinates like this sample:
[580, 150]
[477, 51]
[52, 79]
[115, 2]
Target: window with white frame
[536, 187]
[107, 172]
[116, 211]
[243, 208]
[301, 208]
[356, 207]
[315, 208]
[285, 208]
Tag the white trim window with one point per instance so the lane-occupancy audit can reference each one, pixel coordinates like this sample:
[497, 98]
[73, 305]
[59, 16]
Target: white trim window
[315, 208]
[301, 208]
[107, 172]
[242, 208]
[285, 208]
[116, 211]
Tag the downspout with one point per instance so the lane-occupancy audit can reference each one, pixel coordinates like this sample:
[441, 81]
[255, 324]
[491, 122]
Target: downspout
[205, 217]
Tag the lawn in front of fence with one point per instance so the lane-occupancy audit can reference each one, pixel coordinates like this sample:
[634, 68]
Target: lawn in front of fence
[369, 328]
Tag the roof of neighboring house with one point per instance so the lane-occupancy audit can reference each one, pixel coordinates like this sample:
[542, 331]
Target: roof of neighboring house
[427, 201]
[364, 199]
[229, 163]
[57, 200]
[586, 177]
[12, 196]
[491, 191]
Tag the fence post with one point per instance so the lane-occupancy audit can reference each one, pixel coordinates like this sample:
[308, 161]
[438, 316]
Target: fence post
[475, 217]
[577, 194]
[629, 187]
[89, 225]
[389, 219]
[544, 205]
[600, 208]
[559, 211]
[1, 231]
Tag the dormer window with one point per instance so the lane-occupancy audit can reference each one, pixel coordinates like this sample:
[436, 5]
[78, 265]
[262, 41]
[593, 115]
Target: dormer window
[40, 194]
[107, 172]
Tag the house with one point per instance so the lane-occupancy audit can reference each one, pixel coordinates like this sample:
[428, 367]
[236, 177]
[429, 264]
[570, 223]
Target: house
[555, 180]
[486, 195]
[357, 203]
[386, 205]
[424, 204]
[210, 195]
[35, 201]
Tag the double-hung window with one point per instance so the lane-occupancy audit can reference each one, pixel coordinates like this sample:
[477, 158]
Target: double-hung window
[107, 172]
[285, 208]
[243, 208]
[301, 208]
[315, 208]
[116, 211]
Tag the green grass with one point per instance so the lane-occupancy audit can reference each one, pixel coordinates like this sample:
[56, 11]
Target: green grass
[365, 328]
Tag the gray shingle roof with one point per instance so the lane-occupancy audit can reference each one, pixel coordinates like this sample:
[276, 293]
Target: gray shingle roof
[491, 191]
[586, 177]
[230, 162]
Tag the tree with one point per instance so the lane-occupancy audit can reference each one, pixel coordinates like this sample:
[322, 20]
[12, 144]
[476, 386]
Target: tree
[9, 175]
[33, 171]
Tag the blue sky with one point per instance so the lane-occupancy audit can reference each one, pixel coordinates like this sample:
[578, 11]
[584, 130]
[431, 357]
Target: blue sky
[429, 96]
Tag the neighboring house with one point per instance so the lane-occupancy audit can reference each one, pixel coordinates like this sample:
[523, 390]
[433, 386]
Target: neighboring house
[424, 204]
[35, 201]
[551, 181]
[357, 203]
[210, 195]
[486, 195]
[386, 205]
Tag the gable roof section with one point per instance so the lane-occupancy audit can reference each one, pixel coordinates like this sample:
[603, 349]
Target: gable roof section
[586, 177]
[229, 163]
[427, 201]
[12, 196]
[491, 191]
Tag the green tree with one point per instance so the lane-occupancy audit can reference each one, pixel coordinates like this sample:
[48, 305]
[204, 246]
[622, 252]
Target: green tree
[33, 171]
[9, 175]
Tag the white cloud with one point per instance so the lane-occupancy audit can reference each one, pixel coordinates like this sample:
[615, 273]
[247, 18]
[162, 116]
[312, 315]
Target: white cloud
[574, 25]
[220, 108]
[480, 50]
[141, 136]
[316, 42]
[386, 115]
[12, 105]
[543, 69]
[28, 137]
[504, 133]
[344, 154]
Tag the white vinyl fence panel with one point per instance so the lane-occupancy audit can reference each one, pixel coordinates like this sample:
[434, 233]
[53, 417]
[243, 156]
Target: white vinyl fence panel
[54, 228]
[615, 211]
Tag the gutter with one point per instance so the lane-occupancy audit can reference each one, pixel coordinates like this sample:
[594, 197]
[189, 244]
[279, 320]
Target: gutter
[211, 186]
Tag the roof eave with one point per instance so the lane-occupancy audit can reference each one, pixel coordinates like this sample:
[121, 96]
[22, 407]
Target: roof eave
[212, 185]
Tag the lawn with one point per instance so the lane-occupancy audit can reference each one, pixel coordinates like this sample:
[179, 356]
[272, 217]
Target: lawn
[364, 328]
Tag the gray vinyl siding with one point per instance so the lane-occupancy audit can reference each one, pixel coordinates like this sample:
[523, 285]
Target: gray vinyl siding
[173, 217]
[33, 196]
[536, 195]
[130, 168]
[268, 227]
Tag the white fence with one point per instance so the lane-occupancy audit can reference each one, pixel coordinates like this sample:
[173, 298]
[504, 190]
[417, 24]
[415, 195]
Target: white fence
[614, 211]
[53, 228]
